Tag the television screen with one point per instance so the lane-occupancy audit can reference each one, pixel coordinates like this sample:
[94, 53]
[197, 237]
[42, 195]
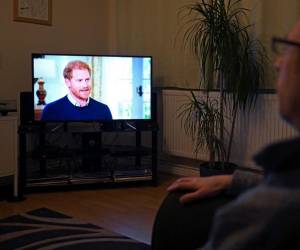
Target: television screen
[91, 87]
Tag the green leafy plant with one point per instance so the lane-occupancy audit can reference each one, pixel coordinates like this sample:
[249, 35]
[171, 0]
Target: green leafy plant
[201, 120]
[231, 61]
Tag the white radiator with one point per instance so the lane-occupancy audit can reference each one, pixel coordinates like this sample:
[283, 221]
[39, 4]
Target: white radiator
[262, 126]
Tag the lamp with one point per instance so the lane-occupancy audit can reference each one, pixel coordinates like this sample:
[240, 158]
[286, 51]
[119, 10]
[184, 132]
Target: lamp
[43, 68]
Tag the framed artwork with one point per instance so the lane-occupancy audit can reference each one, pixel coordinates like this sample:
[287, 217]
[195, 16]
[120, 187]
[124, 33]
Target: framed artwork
[33, 11]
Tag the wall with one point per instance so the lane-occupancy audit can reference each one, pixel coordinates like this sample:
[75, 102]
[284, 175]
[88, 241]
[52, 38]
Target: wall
[272, 18]
[153, 27]
[77, 27]
[129, 27]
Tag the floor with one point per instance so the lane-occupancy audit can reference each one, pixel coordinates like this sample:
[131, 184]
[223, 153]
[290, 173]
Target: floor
[128, 210]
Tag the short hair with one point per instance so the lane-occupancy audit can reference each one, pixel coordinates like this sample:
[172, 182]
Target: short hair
[75, 65]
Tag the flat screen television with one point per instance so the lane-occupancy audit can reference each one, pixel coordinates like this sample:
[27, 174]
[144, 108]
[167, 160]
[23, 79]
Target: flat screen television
[91, 87]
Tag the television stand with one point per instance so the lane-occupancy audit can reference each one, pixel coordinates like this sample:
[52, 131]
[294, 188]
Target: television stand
[89, 156]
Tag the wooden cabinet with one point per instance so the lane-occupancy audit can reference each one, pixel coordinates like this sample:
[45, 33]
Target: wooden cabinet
[9, 149]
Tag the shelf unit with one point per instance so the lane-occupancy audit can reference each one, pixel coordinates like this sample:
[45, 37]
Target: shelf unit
[89, 161]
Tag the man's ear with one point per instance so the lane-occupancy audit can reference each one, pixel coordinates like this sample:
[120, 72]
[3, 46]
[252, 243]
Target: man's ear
[68, 83]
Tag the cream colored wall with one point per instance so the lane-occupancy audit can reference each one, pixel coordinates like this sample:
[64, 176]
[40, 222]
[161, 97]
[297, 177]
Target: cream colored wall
[77, 27]
[150, 27]
[278, 18]
[117, 26]
[272, 18]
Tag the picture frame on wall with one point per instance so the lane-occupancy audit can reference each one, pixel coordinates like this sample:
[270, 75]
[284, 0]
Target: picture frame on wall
[33, 11]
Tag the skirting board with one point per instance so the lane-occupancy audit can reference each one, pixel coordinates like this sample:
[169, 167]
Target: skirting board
[178, 169]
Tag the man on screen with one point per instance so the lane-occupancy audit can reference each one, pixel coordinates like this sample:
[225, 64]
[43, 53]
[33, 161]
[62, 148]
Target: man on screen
[77, 104]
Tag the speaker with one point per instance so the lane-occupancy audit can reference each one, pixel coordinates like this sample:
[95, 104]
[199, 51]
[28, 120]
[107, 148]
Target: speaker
[26, 107]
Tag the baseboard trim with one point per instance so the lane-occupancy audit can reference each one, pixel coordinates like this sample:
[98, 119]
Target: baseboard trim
[180, 170]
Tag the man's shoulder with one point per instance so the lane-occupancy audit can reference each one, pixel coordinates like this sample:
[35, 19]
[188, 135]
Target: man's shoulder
[101, 109]
[53, 109]
[58, 102]
[97, 103]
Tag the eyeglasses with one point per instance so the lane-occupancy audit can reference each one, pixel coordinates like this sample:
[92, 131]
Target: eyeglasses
[279, 45]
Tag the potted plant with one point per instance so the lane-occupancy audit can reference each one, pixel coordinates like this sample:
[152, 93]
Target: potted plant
[231, 61]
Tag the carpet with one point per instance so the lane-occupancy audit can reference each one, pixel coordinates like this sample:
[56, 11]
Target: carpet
[47, 229]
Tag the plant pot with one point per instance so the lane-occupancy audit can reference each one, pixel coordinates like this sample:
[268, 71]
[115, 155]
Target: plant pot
[207, 170]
